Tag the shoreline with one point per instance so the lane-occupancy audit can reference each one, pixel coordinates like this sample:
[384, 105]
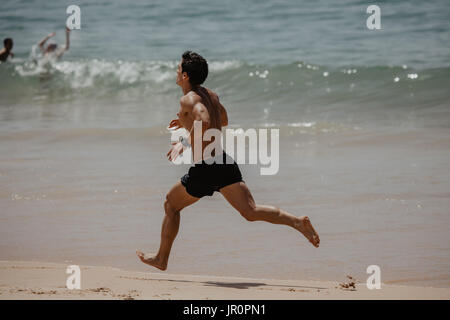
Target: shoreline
[44, 280]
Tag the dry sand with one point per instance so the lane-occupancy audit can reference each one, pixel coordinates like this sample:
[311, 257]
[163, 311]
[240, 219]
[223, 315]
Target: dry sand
[41, 280]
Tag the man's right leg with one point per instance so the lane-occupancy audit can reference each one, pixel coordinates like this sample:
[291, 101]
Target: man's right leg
[240, 197]
[177, 198]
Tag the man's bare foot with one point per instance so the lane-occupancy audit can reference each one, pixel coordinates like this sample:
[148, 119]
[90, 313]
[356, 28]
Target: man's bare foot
[151, 260]
[304, 226]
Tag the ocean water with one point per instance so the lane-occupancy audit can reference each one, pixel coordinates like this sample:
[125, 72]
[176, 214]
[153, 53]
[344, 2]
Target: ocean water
[364, 119]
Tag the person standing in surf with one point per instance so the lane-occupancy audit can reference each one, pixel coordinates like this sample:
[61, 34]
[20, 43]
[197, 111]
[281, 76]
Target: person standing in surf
[6, 52]
[201, 104]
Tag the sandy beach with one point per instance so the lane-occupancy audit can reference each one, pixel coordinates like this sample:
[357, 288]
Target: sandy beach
[41, 280]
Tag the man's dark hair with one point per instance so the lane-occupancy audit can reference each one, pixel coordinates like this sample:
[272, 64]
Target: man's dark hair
[195, 66]
[6, 41]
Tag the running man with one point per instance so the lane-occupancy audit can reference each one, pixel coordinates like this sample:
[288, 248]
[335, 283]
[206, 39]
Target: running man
[52, 48]
[201, 104]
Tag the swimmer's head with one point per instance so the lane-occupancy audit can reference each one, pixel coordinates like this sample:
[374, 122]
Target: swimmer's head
[51, 47]
[8, 43]
[193, 68]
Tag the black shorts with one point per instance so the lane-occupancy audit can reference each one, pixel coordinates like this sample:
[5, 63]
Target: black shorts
[203, 179]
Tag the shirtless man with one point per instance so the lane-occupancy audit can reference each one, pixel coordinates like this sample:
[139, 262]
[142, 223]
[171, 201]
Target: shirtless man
[6, 51]
[201, 104]
[52, 48]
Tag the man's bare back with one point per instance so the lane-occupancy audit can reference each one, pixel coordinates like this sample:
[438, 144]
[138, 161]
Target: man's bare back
[206, 103]
[198, 98]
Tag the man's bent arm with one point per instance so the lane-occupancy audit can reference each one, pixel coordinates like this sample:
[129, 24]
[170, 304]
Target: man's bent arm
[43, 41]
[198, 114]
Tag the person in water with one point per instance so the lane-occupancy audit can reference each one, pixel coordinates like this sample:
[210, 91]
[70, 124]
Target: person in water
[52, 49]
[202, 104]
[6, 51]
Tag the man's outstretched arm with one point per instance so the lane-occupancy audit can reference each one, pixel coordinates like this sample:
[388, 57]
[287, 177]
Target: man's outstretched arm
[67, 43]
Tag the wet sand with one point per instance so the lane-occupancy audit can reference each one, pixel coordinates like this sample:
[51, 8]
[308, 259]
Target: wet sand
[94, 196]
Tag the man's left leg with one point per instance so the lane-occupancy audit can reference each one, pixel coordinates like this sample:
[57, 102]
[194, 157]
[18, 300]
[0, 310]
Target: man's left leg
[176, 200]
[239, 196]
